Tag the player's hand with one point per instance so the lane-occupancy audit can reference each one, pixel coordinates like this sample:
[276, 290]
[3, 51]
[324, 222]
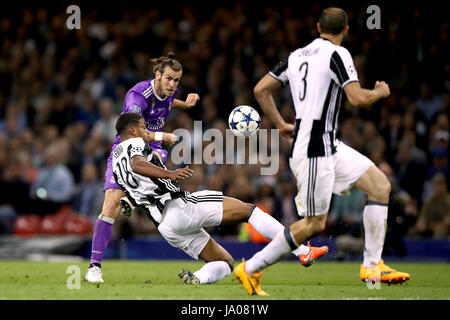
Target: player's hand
[286, 130]
[181, 173]
[192, 100]
[169, 139]
[383, 88]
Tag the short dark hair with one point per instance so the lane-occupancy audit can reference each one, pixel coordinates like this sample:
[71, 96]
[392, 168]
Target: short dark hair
[159, 64]
[333, 21]
[126, 120]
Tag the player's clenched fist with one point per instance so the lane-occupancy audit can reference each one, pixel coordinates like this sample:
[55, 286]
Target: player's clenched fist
[169, 139]
[192, 99]
[383, 88]
[181, 173]
[286, 130]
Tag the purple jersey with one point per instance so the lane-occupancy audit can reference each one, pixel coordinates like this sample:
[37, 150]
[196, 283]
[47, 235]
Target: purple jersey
[143, 99]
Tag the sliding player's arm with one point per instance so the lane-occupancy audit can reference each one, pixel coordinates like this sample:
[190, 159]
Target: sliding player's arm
[141, 166]
[358, 96]
[264, 95]
[191, 101]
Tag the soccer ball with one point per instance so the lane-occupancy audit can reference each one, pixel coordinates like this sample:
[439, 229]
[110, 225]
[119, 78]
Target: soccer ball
[244, 121]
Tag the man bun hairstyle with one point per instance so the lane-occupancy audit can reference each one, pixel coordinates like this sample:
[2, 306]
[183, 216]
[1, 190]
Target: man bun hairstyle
[126, 120]
[160, 64]
[333, 21]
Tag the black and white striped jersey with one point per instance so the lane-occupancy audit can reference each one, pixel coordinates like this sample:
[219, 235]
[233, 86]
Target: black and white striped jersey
[317, 75]
[146, 191]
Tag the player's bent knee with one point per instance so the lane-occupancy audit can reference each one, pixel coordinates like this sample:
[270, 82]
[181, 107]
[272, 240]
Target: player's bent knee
[387, 187]
[382, 189]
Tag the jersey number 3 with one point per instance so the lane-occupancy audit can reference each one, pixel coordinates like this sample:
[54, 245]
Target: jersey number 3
[303, 73]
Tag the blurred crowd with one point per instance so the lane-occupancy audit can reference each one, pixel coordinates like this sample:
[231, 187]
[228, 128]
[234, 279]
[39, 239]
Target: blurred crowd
[61, 92]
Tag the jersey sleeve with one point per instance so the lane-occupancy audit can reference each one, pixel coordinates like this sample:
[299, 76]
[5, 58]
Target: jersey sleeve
[137, 147]
[341, 64]
[279, 72]
[135, 102]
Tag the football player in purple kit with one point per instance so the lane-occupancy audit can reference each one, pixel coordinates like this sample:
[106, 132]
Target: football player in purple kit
[152, 99]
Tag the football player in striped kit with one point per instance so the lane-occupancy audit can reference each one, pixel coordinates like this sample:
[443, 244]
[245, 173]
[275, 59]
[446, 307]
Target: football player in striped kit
[181, 216]
[153, 99]
[318, 75]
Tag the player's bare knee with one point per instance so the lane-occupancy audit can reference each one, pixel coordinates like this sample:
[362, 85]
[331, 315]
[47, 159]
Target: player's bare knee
[381, 190]
[387, 187]
[111, 207]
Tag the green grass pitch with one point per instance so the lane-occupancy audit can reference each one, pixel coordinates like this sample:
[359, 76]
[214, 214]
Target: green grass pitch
[158, 280]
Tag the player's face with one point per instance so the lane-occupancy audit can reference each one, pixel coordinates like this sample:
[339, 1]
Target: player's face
[141, 131]
[168, 81]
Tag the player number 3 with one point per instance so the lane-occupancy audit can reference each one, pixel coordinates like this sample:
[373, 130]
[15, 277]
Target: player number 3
[303, 73]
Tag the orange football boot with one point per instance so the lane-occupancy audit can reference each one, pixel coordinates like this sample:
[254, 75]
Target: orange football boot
[314, 254]
[384, 273]
[251, 283]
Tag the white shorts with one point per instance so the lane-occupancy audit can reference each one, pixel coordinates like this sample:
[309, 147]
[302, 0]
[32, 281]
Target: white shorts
[318, 178]
[183, 220]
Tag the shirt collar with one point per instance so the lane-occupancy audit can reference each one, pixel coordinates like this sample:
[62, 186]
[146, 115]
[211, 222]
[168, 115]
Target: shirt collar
[154, 92]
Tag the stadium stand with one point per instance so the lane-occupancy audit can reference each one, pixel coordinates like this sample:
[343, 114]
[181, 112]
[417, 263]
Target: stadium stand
[61, 89]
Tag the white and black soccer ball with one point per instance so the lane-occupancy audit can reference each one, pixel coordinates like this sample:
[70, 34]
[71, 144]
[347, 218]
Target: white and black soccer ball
[244, 121]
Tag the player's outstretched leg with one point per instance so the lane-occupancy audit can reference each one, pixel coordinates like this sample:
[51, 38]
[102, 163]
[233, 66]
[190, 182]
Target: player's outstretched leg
[284, 242]
[102, 234]
[236, 210]
[219, 264]
[377, 187]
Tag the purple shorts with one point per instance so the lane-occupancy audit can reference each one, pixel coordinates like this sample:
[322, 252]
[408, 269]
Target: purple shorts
[110, 182]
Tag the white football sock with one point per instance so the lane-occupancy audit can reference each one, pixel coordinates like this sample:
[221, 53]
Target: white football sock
[374, 219]
[301, 250]
[269, 227]
[277, 249]
[213, 271]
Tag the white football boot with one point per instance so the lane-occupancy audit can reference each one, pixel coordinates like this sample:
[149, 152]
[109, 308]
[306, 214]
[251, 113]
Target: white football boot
[126, 207]
[94, 275]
